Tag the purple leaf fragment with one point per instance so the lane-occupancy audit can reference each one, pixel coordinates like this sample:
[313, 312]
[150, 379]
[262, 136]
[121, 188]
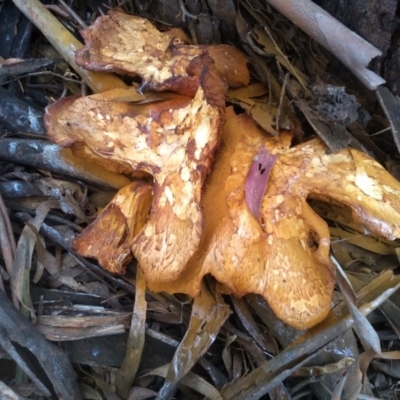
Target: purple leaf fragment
[257, 179]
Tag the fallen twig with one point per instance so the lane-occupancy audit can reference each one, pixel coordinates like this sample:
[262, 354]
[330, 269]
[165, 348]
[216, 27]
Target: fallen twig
[65, 43]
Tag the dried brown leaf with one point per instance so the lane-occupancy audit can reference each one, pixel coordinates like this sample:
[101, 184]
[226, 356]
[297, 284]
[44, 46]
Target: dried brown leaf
[337, 393]
[254, 90]
[209, 313]
[139, 393]
[23, 255]
[266, 342]
[389, 355]
[191, 380]
[134, 348]
[344, 283]
[264, 37]
[321, 370]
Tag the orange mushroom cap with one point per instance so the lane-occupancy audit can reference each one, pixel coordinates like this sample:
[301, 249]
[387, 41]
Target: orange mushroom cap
[284, 254]
[131, 45]
[263, 240]
[174, 140]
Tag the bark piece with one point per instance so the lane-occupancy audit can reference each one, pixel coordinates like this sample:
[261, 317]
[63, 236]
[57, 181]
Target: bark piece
[173, 140]
[15, 32]
[378, 26]
[132, 45]
[16, 66]
[333, 134]
[17, 115]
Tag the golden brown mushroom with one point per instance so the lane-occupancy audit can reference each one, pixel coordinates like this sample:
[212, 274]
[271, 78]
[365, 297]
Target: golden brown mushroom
[109, 236]
[131, 45]
[174, 140]
[259, 235]
[284, 254]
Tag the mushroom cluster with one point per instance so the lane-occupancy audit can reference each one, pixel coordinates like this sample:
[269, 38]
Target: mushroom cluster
[227, 198]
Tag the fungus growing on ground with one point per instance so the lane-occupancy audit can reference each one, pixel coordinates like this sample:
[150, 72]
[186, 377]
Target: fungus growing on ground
[173, 140]
[284, 253]
[131, 45]
[253, 233]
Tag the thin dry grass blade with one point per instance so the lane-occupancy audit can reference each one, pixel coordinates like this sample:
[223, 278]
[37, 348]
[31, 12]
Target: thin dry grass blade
[208, 315]
[23, 257]
[337, 393]
[245, 316]
[7, 244]
[127, 373]
[343, 281]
